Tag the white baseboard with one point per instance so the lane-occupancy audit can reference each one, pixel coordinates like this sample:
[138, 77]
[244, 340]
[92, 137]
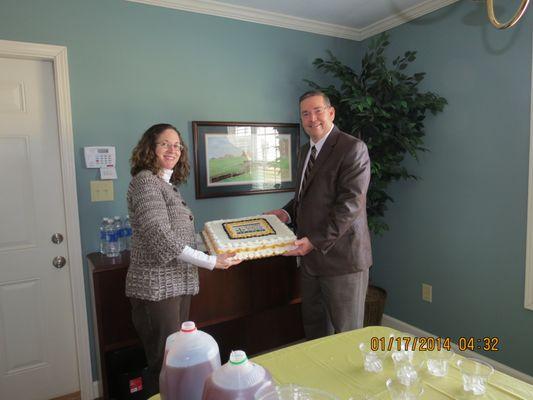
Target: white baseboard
[97, 389]
[413, 330]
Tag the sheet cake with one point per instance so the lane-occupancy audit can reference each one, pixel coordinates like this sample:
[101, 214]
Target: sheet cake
[258, 236]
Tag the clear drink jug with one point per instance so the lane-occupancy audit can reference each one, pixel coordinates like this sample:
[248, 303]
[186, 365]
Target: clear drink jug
[192, 356]
[239, 379]
[163, 374]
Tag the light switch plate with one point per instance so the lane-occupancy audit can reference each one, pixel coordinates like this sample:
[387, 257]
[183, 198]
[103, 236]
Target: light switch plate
[102, 191]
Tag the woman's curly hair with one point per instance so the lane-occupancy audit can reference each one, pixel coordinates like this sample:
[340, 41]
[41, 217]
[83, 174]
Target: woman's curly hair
[144, 157]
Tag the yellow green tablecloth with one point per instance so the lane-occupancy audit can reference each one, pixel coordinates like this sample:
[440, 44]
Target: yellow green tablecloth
[335, 364]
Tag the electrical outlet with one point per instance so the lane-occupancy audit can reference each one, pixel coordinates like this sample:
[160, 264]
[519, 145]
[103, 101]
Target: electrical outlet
[427, 292]
[102, 191]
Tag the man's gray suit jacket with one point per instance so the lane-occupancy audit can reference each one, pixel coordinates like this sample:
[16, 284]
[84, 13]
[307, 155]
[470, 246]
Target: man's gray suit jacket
[332, 210]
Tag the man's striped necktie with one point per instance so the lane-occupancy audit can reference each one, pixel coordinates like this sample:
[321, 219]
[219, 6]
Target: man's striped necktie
[308, 169]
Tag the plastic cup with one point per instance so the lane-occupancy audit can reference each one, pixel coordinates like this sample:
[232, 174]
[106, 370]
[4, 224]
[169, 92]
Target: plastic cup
[437, 362]
[475, 375]
[399, 391]
[407, 368]
[294, 392]
[402, 354]
[406, 374]
[372, 360]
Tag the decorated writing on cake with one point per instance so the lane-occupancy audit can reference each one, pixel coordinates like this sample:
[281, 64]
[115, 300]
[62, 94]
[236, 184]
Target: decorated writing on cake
[248, 228]
[252, 237]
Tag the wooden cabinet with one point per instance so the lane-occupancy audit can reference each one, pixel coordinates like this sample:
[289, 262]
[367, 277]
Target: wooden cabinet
[254, 306]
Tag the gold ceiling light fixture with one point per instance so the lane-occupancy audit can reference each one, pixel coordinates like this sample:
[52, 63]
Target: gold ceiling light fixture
[516, 17]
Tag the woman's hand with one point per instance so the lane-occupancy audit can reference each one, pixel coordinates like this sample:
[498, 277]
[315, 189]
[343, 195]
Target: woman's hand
[224, 261]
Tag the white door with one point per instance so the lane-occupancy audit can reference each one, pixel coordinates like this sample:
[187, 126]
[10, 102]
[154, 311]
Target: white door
[37, 335]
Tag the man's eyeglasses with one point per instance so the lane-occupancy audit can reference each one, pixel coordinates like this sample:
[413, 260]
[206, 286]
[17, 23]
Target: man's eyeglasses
[319, 111]
[175, 146]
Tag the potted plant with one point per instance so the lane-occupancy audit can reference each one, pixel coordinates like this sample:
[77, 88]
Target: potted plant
[383, 106]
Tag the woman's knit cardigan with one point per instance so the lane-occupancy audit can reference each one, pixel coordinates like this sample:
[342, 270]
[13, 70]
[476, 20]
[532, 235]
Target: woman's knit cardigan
[162, 226]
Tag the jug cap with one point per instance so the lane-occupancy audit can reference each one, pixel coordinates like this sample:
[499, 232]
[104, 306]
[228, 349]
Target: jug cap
[239, 373]
[188, 326]
[237, 357]
[191, 346]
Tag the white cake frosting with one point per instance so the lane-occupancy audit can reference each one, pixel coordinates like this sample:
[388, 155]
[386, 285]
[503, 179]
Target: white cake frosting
[266, 244]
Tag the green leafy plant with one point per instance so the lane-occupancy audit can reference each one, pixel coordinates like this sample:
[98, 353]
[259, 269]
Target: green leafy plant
[384, 107]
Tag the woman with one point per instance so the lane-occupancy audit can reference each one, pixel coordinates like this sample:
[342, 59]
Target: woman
[162, 275]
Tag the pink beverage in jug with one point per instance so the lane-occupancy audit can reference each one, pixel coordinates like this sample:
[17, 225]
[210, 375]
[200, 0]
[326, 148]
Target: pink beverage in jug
[192, 356]
[187, 383]
[163, 374]
[238, 379]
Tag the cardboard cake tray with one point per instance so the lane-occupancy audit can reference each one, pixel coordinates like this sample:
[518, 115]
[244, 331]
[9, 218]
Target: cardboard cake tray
[247, 254]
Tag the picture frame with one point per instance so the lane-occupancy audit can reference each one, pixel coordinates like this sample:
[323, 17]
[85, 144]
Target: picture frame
[244, 158]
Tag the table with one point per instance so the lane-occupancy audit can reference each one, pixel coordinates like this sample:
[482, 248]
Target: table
[335, 364]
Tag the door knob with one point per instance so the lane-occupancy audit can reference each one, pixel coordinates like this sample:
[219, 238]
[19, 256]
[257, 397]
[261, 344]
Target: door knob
[57, 238]
[59, 262]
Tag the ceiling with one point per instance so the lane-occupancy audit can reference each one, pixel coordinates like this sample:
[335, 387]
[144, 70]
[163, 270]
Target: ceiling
[348, 19]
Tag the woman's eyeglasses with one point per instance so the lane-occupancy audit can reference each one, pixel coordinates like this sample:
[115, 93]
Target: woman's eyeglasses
[175, 146]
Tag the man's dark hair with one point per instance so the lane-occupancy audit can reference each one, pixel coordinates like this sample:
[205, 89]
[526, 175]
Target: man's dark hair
[312, 93]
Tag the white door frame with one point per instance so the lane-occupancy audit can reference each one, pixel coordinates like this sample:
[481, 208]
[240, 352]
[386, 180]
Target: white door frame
[58, 56]
[528, 291]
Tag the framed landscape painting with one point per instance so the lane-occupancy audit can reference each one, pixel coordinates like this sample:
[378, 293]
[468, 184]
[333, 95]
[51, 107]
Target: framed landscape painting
[241, 158]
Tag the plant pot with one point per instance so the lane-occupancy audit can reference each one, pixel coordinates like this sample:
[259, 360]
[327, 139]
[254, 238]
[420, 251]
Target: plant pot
[374, 305]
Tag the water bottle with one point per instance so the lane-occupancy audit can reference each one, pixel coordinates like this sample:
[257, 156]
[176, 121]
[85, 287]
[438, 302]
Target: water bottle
[112, 249]
[192, 357]
[239, 379]
[102, 235]
[117, 223]
[126, 227]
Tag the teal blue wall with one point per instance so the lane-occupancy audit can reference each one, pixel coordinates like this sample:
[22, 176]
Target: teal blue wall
[133, 65]
[462, 227]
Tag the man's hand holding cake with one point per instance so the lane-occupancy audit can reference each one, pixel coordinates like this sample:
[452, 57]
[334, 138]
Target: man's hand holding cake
[304, 246]
[301, 246]
[281, 214]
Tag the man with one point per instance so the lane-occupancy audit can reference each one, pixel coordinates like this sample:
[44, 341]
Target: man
[329, 212]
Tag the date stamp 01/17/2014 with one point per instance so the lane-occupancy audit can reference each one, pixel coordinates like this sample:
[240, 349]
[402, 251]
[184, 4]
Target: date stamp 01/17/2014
[430, 343]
